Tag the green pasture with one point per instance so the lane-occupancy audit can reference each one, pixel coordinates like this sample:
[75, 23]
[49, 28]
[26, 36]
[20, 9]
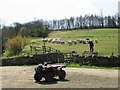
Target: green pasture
[107, 41]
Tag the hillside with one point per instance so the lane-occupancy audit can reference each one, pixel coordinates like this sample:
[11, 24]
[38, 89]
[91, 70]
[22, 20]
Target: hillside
[107, 41]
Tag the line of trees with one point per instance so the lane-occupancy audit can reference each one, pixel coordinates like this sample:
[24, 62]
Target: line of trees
[88, 21]
[41, 28]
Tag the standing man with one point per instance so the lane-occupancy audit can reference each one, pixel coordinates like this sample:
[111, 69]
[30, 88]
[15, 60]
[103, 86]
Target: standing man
[91, 45]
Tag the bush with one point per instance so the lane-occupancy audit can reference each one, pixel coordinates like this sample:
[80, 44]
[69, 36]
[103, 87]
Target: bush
[7, 54]
[16, 45]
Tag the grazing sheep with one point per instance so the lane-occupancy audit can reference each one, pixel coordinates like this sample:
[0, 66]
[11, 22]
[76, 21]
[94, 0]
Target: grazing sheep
[53, 40]
[80, 41]
[58, 41]
[62, 42]
[74, 41]
[70, 42]
[50, 40]
[44, 40]
[84, 42]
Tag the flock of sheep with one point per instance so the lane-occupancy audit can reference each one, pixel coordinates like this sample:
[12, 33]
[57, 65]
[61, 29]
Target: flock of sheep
[69, 42]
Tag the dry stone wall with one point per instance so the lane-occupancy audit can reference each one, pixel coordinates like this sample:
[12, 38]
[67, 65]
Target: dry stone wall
[59, 58]
[36, 59]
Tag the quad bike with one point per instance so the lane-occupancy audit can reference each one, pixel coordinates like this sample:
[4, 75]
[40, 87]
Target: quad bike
[49, 72]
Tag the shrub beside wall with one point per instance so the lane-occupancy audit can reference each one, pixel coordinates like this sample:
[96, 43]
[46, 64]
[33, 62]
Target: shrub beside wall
[15, 45]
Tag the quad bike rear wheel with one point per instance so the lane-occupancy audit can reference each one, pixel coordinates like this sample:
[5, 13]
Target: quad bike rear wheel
[62, 74]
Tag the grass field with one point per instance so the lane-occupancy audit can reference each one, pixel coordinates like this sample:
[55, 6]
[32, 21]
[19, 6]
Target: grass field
[107, 41]
[77, 65]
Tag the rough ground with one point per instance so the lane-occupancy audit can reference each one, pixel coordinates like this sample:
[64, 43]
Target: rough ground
[22, 77]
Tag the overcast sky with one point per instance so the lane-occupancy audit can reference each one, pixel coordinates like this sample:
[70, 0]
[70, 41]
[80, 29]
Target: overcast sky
[27, 10]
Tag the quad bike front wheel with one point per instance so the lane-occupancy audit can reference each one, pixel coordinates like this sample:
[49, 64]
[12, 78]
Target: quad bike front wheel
[49, 77]
[62, 74]
[37, 77]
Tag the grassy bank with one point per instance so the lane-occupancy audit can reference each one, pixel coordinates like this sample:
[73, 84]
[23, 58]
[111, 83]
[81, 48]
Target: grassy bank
[107, 41]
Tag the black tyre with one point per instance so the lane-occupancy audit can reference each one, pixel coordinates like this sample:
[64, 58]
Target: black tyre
[37, 77]
[62, 74]
[49, 77]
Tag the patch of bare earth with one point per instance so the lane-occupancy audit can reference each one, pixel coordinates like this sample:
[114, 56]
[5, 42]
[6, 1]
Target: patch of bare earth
[23, 77]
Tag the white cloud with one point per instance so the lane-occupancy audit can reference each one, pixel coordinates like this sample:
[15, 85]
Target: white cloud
[26, 10]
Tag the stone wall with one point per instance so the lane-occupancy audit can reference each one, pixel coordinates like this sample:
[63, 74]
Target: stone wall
[59, 57]
[36, 59]
[113, 61]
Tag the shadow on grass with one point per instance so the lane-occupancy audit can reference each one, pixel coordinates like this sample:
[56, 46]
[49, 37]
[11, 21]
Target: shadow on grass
[53, 82]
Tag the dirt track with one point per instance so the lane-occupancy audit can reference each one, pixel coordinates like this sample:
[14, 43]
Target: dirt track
[22, 77]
